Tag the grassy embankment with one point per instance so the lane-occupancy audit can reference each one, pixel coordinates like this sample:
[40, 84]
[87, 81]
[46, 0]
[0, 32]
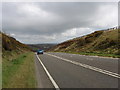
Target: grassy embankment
[99, 43]
[18, 70]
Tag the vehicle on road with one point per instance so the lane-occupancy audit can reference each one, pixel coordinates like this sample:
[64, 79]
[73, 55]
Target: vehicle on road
[40, 51]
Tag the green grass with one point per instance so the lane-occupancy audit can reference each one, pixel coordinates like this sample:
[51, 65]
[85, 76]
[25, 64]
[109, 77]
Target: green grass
[0, 61]
[19, 72]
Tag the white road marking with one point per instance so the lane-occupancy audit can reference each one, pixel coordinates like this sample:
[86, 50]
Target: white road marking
[90, 56]
[104, 57]
[88, 67]
[50, 77]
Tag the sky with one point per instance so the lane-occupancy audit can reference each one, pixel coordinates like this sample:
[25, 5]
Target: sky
[55, 22]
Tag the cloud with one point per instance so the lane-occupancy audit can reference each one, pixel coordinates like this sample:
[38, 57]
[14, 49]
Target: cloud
[0, 16]
[107, 16]
[53, 22]
[69, 33]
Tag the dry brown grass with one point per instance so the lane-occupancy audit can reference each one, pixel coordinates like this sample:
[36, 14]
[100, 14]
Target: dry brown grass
[105, 41]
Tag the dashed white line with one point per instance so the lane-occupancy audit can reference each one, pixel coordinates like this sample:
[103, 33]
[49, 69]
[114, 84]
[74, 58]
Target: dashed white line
[50, 77]
[88, 66]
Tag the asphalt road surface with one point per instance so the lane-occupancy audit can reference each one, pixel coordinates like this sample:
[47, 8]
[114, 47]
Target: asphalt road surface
[63, 70]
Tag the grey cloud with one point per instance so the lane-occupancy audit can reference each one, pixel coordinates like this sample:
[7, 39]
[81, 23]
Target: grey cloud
[50, 19]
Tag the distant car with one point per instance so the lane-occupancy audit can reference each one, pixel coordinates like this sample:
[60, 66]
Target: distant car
[40, 52]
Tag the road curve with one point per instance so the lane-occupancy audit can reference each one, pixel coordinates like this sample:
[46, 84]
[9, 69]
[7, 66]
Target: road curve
[67, 74]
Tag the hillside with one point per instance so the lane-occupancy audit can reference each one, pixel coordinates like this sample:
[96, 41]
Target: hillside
[104, 41]
[35, 47]
[17, 64]
[10, 44]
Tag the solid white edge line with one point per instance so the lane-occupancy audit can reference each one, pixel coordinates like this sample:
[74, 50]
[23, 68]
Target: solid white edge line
[50, 77]
[88, 67]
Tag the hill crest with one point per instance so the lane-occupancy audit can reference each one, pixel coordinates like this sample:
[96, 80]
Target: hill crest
[10, 44]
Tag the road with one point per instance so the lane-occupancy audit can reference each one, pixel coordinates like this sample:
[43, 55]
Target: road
[65, 70]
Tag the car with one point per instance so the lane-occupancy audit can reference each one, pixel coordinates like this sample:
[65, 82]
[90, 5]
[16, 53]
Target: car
[40, 52]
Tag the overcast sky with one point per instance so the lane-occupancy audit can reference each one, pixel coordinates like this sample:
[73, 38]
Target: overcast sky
[50, 22]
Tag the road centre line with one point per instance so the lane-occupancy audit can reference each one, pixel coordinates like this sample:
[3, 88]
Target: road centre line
[50, 77]
[88, 66]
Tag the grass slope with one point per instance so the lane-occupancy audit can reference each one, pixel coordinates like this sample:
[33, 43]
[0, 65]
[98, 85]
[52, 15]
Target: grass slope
[102, 43]
[19, 72]
[9, 43]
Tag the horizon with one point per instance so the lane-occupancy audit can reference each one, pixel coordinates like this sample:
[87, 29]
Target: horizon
[59, 42]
